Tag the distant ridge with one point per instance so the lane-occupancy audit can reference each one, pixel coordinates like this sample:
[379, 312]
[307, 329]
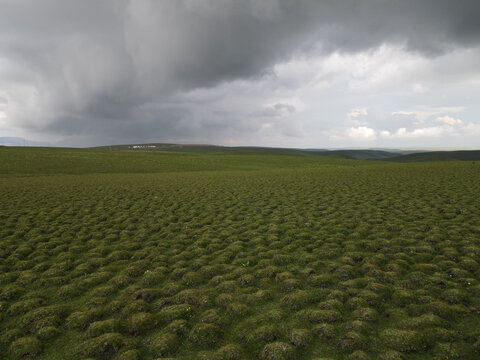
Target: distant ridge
[15, 141]
[353, 154]
[458, 155]
[356, 154]
[373, 154]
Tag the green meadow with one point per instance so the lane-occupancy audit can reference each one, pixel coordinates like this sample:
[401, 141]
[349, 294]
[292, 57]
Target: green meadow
[132, 255]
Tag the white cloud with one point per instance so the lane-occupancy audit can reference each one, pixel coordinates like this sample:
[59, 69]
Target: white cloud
[356, 113]
[431, 131]
[423, 113]
[473, 128]
[404, 113]
[448, 120]
[361, 133]
[449, 129]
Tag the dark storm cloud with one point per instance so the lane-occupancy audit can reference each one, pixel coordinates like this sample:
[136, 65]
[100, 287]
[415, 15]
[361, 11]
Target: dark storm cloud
[112, 67]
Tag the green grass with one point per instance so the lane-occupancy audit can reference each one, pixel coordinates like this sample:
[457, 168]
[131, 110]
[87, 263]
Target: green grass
[146, 255]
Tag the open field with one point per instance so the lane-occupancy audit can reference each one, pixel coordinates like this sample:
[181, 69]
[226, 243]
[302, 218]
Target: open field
[153, 255]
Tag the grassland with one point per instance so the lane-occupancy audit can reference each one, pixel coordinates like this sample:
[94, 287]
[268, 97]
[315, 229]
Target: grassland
[152, 255]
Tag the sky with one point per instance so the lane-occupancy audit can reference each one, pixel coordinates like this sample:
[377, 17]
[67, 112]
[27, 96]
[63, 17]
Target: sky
[283, 73]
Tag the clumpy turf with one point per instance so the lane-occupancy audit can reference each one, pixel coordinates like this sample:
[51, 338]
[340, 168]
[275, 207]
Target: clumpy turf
[300, 259]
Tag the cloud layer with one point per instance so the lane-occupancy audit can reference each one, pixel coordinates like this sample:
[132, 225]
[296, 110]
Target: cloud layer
[264, 72]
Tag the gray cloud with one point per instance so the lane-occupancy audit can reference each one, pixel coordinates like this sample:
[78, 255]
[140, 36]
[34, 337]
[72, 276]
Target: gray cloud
[277, 110]
[120, 69]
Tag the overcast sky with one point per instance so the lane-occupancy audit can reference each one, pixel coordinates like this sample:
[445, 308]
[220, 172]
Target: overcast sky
[296, 73]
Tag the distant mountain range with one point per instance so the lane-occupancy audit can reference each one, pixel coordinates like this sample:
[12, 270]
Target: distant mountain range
[394, 155]
[15, 141]
[353, 154]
